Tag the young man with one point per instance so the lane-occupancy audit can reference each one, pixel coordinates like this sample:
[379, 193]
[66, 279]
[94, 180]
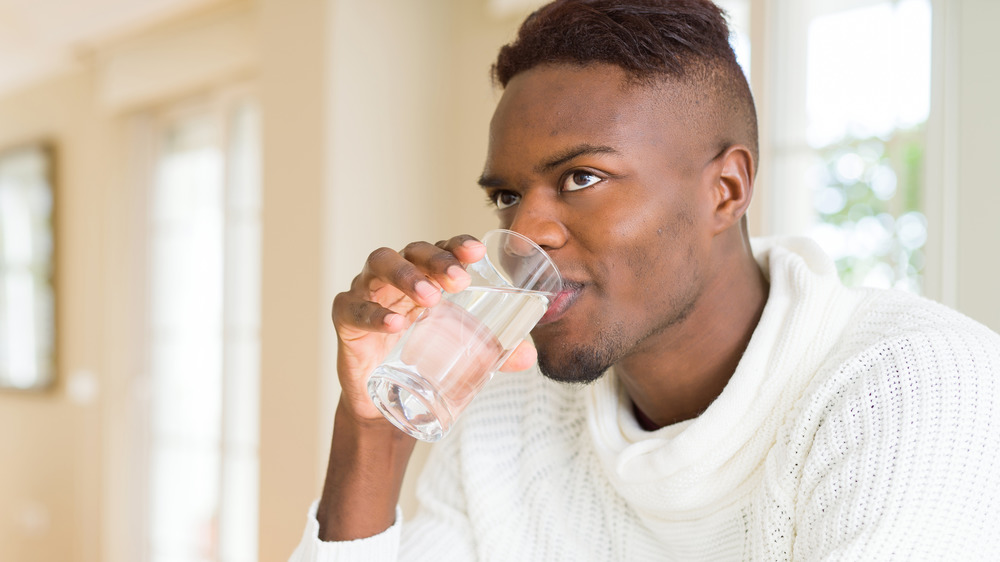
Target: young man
[736, 403]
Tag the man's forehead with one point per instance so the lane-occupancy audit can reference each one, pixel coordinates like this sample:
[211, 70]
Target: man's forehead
[594, 104]
[563, 99]
[555, 109]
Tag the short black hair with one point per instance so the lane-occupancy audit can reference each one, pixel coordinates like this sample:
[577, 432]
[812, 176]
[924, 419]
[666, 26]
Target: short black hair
[682, 40]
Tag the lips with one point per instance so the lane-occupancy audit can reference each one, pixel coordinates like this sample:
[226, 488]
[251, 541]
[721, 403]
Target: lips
[561, 303]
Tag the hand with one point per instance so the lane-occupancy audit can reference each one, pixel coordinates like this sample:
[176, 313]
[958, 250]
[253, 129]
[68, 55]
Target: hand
[368, 455]
[385, 298]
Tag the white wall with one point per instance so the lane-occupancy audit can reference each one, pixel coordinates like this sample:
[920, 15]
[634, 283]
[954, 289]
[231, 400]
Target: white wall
[977, 130]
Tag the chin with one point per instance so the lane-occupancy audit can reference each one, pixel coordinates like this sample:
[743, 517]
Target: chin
[579, 365]
[566, 355]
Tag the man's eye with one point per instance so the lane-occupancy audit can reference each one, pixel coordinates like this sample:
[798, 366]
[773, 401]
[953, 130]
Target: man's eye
[579, 180]
[504, 199]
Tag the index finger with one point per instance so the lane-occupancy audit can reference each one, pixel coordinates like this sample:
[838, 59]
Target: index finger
[468, 249]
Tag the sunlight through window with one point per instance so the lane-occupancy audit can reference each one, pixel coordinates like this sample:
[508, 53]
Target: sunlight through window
[204, 324]
[867, 99]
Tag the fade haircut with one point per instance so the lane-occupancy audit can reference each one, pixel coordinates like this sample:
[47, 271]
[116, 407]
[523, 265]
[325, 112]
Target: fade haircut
[682, 42]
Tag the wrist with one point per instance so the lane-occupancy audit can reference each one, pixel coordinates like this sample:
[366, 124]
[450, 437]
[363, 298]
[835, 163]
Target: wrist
[368, 459]
[374, 424]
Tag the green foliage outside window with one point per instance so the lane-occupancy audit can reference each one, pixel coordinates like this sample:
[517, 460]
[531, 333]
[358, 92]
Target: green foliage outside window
[868, 198]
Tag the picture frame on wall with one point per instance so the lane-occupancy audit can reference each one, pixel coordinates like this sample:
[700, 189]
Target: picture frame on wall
[27, 268]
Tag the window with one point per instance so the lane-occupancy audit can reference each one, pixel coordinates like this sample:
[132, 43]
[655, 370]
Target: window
[204, 335]
[849, 144]
[27, 299]
[738, 12]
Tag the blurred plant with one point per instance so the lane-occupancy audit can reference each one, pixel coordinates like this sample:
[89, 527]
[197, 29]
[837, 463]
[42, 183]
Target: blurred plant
[867, 194]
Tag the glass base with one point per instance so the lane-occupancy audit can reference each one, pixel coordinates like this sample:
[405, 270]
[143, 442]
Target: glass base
[406, 400]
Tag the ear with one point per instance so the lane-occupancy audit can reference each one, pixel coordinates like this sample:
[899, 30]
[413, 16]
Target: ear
[733, 186]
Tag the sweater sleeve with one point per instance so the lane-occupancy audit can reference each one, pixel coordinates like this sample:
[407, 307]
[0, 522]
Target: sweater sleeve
[381, 547]
[440, 532]
[904, 464]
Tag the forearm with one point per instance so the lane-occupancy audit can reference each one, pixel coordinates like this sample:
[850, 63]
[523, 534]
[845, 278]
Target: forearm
[364, 476]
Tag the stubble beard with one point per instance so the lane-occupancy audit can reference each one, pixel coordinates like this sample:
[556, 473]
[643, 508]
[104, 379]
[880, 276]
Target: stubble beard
[584, 364]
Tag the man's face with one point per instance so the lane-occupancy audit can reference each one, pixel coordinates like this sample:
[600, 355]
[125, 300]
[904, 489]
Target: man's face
[615, 184]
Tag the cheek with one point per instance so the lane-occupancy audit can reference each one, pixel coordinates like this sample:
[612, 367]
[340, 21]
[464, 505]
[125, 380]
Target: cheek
[662, 252]
[636, 237]
[622, 240]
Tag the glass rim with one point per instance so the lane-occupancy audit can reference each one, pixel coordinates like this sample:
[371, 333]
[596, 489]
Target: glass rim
[542, 252]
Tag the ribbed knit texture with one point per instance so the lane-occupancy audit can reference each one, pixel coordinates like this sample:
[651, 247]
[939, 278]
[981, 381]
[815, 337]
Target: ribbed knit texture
[859, 425]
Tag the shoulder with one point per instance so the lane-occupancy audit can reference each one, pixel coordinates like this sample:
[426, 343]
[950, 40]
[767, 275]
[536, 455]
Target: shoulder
[896, 441]
[911, 383]
[921, 340]
[902, 353]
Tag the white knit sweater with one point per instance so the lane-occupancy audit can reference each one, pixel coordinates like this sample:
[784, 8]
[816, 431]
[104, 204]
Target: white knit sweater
[859, 425]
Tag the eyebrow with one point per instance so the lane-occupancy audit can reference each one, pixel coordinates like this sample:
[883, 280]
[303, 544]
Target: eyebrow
[553, 162]
[571, 153]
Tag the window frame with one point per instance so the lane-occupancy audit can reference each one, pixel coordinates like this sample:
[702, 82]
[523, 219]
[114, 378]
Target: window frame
[145, 130]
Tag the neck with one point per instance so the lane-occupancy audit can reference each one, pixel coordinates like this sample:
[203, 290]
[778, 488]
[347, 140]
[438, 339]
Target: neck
[678, 373]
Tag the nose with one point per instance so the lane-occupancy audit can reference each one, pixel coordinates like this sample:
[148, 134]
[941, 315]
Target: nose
[537, 216]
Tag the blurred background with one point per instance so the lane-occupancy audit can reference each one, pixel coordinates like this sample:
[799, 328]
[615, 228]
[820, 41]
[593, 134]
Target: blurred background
[186, 184]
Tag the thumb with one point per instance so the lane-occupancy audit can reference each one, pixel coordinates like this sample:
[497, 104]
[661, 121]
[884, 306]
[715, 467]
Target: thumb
[523, 357]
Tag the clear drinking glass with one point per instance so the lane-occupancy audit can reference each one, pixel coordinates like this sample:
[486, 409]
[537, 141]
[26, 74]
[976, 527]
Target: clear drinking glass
[443, 360]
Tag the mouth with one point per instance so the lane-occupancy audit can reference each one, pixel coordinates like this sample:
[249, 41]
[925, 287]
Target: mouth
[561, 302]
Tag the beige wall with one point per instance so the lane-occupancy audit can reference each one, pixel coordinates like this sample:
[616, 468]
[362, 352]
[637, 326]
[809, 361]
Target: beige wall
[68, 480]
[292, 93]
[50, 479]
[374, 119]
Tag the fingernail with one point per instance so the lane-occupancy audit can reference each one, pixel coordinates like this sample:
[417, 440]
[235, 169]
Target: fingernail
[388, 319]
[456, 273]
[426, 290]
[472, 244]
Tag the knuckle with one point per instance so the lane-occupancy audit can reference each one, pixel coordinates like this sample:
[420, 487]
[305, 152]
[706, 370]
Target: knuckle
[338, 304]
[360, 315]
[411, 248]
[404, 274]
[442, 260]
[380, 254]
[357, 283]
[352, 312]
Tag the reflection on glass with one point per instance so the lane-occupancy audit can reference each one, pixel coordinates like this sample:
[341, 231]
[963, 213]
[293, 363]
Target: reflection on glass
[27, 319]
